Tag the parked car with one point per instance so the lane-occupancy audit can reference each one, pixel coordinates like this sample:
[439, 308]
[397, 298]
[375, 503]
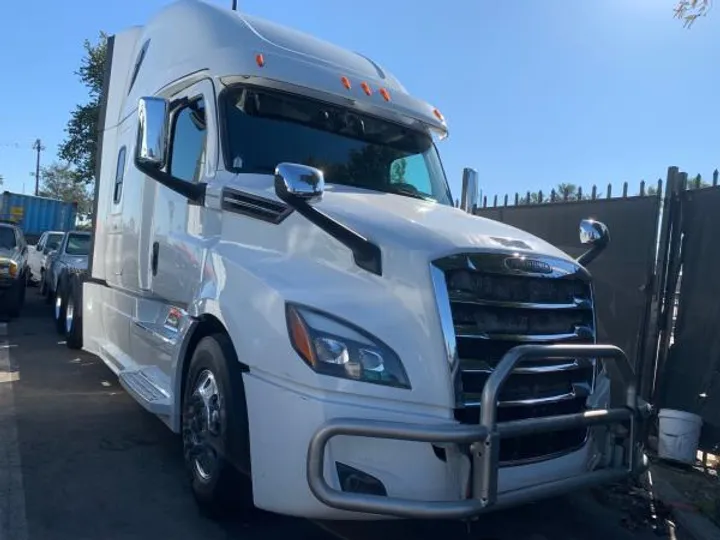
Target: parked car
[71, 256]
[37, 255]
[13, 269]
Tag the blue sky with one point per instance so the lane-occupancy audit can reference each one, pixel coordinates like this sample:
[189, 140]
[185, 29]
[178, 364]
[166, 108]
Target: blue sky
[536, 92]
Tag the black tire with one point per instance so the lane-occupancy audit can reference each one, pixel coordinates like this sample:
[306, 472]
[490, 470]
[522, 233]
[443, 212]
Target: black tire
[49, 293]
[43, 285]
[73, 313]
[59, 305]
[219, 489]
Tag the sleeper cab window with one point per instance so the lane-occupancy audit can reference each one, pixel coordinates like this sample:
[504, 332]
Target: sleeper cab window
[187, 156]
[119, 175]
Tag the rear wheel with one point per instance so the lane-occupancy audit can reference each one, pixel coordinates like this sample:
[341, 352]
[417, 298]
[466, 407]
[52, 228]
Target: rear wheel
[73, 314]
[59, 306]
[214, 428]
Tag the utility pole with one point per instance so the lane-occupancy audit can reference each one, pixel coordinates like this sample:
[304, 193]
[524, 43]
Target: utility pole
[38, 147]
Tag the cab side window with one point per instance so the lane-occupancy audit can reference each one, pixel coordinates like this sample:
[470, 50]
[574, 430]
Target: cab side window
[189, 136]
[119, 175]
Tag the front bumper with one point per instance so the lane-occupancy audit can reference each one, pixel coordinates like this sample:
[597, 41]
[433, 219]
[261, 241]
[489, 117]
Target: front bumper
[483, 441]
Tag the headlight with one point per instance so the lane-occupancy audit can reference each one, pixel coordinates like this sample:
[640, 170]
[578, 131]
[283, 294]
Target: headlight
[336, 348]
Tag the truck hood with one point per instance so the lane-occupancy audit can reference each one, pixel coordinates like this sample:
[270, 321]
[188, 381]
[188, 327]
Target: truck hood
[396, 221]
[76, 261]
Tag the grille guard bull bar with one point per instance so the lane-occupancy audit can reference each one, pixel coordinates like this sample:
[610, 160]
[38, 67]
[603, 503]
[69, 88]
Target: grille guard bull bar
[484, 439]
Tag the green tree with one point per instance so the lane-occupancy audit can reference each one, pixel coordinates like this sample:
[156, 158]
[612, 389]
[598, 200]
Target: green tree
[80, 145]
[697, 182]
[689, 11]
[59, 182]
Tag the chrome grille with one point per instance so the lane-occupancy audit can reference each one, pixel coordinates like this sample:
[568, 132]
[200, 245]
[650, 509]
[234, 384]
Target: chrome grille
[495, 306]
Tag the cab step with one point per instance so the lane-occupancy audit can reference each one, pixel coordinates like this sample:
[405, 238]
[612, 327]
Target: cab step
[140, 385]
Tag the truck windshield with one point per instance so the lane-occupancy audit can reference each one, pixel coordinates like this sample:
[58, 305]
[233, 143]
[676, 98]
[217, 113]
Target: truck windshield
[265, 128]
[7, 238]
[78, 244]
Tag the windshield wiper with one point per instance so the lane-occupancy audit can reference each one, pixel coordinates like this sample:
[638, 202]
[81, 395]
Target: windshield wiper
[408, 190]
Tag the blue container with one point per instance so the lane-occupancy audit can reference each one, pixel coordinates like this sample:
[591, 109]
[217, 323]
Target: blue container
[35, 215]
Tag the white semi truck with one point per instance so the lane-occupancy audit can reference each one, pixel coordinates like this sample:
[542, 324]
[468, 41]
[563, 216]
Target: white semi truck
[279, 273]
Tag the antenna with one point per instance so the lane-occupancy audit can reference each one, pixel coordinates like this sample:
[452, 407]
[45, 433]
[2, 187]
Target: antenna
[234, 5]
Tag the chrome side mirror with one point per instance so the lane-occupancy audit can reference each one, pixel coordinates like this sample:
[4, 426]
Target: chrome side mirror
[596, 235]
[152, 136]
[593, 232]
[469, 189]
[299, 181]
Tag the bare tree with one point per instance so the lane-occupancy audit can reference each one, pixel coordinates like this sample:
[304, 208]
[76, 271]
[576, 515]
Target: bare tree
[689, 11]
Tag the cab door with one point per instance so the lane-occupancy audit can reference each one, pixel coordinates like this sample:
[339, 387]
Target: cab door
[174, 249]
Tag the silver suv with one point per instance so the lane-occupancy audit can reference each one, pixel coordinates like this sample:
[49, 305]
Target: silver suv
[14, 269]
[71, 256]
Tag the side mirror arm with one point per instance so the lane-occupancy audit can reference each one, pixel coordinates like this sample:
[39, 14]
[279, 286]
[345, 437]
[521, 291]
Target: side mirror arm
[193, 192]
[596, 249]
[297, 185]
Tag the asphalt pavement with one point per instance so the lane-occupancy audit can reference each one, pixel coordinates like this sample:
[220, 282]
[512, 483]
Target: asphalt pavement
[79, 459]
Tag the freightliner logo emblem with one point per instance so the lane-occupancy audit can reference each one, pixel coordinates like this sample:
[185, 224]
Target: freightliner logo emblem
[530, 266]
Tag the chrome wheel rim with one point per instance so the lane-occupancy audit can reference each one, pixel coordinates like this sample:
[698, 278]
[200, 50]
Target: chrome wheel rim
[203, 426]
[58, 306]
[69, 314]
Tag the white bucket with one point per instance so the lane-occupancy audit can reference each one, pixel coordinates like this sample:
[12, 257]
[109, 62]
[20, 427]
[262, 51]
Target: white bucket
[679, 435]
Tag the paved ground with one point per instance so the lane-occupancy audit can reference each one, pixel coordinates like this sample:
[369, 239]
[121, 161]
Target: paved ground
[80, 460]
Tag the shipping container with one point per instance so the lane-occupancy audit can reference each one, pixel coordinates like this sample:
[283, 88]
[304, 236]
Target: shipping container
[35, 215]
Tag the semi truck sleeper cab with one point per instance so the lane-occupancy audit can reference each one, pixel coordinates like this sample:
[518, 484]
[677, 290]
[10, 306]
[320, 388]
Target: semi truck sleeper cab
[279, 273]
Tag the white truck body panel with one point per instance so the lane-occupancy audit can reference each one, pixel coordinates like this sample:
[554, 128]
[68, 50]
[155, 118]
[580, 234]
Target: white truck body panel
[241, 271]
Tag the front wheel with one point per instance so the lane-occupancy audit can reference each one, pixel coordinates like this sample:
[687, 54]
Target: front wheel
[43, 284]
[214, 417]
[59, 307]
[73, 314]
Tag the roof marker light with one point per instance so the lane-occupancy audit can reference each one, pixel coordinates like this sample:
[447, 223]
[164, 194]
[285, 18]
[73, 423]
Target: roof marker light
[260, 60]
[438, 115]
[385, 94]
[366, 88]
[346, 82]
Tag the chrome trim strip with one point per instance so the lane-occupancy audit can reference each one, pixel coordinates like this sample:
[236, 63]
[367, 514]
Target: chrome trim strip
[442, 299]
[484, 367]
[567, 396]
[579, 303]
[524, 337]
[580, 390]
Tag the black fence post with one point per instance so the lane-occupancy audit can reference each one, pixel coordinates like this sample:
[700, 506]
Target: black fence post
[671, 269]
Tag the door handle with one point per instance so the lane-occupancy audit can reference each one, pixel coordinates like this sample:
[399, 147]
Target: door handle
[155, 252]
